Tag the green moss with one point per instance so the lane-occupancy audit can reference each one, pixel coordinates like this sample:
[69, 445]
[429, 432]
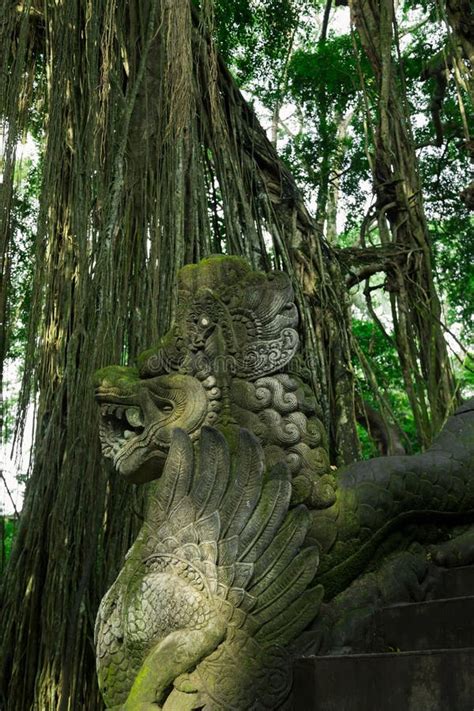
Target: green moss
[109, 679]
[117, 376]
[143, 689]
[231, 432]
[210, 262]
[211, 272]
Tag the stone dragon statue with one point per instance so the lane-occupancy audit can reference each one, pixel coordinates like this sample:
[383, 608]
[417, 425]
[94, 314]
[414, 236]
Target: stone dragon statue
[247, 526]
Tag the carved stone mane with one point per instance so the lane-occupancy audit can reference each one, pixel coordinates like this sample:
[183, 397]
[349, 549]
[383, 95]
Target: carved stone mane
[230, 322]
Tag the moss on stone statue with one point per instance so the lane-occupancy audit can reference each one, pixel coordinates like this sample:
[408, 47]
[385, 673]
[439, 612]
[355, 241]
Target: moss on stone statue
[231, 433]
[215, 272]
[117, 376]
[213, 262]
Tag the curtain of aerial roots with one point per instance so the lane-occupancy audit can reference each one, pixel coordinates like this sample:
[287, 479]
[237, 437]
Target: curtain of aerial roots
[415, 305]
[149, 162]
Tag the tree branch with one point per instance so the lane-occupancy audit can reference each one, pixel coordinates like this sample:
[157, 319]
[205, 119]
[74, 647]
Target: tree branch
[362, 263]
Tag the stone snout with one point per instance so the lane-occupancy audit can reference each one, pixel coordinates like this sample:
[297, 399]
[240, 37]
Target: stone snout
[139, 415]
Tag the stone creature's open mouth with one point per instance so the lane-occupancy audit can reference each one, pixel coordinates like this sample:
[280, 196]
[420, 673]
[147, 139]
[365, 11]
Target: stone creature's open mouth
[138, 418]
[119, 424]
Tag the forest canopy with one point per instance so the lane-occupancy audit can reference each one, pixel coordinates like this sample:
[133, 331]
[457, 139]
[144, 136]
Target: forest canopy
[332, 140]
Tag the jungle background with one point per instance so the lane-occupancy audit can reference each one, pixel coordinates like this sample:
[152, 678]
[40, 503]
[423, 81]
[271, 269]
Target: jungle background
[332, 140]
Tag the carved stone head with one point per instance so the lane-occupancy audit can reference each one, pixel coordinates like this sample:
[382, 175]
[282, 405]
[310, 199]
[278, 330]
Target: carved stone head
[231, 324]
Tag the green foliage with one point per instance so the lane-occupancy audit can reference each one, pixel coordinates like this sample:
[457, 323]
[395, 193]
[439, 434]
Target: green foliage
[253, 37]
[466, 377]
[428, 6]
[235, 26]
[8, 413]
[367, 444]
[454, 252]
[384, 361]
[331, 67]
[21, 264]
[8, 529]
[25, 208]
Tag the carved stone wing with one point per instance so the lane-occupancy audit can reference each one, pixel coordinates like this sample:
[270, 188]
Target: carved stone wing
[230, 521]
